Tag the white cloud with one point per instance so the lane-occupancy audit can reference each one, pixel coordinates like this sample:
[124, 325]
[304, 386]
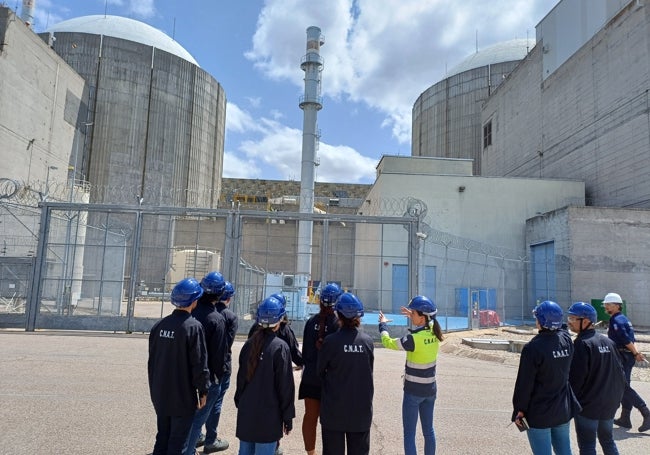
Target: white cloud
[385, 53]
[279, 147]
[344, 164]
[255, 102]
[240, 121]
[236, 167]
[140, 8]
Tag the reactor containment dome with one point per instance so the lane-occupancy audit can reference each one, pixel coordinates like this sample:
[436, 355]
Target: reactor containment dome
[123, 28]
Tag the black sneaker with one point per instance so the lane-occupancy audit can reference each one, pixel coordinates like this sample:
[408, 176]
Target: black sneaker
[201, 440]
[218, 446]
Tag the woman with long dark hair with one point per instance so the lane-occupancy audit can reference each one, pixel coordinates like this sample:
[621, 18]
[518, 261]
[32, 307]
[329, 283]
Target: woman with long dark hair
[316, 329]
[265, 388]
[345, 364]
[420, 390]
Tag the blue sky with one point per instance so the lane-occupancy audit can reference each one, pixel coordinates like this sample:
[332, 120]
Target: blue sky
[380, 55]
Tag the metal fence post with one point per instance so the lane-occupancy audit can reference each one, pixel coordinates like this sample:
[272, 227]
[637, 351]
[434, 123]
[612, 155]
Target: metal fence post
[135, 260]
[34, 297]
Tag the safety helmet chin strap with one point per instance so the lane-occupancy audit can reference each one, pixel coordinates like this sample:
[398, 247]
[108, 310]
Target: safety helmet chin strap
[586, 328]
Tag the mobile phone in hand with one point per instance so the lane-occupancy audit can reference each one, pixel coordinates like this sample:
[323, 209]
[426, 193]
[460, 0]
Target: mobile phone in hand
[522, 424]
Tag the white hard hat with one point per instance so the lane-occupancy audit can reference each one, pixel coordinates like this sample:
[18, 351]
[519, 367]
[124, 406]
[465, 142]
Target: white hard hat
[612, 297]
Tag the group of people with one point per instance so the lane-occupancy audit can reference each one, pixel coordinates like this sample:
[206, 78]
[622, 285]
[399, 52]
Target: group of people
[337, 367]
[559, 379]
[337, 362]
[190, 364]
[585, 379]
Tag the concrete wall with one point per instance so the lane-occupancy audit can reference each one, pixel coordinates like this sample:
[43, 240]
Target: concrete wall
[424, 165]
[599, 250]
[589, 120]
[472, 223]
[492, 210]
[158, 122]
[447, 116]
[40, 100]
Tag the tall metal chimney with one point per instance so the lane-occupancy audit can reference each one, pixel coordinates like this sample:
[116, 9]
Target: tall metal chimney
[27, 13]
[310, 103]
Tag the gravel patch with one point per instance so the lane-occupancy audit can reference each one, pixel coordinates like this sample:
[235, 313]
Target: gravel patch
[453, 345]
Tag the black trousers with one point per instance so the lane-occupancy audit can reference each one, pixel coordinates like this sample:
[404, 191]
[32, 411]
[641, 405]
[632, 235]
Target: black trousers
[334, 442]
[172, 434]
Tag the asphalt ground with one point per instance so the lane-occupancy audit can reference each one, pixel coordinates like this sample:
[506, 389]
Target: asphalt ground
[75, 393]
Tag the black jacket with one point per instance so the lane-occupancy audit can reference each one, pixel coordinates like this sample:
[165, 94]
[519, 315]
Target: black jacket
[214, 327]
[542, 389]
[285, 333]
[231, 330]
[310, 350]
[597, 376]
[178, 364]
[345, 363]
[266, 402]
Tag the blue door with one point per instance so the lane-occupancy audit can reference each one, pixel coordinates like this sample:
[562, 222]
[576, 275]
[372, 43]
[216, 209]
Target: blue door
[543, 272]
[429, 282]
[400, 287]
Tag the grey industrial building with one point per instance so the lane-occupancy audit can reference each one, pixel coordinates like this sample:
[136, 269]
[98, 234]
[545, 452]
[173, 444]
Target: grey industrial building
[579, 107]
[145, 124]
[446, 117]
[109, 110]
[156, 118]
[576, 107]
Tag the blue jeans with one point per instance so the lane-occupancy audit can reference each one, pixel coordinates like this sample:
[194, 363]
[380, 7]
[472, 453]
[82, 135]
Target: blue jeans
[257, 448]
[588, 429]
[412, 406]
[630, 397]
[542, 439]
[172, 434]
[200, 417]
[212, 422]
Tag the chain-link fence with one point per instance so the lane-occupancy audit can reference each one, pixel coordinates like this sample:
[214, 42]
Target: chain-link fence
[112, 267]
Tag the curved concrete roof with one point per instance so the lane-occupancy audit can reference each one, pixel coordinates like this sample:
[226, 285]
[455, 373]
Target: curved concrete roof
[506, 51]
[124, 28]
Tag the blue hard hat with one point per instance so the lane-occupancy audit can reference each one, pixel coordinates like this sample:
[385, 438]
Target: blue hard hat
[228, 291]
[330, 293]
[270, 312]
[213, 283]
[549, 315]
[424, 305]
[281, 298]
[185, 292]
[349, 306]
[583, 310]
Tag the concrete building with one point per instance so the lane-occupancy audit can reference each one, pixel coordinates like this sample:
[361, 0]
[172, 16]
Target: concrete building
[40, 100]
[594, 250]
[109, 110]
[284, 195]
[154, 126]
[446, 120]
[578, 107]
[472, 230]
[156, 119]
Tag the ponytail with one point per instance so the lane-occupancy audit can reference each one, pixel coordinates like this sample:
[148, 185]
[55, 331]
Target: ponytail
[325, 312]
[257, 343]
[436, 330]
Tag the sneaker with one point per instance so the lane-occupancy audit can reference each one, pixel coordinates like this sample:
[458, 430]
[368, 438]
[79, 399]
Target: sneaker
[201, 440]
[278, 451]
[218, 446]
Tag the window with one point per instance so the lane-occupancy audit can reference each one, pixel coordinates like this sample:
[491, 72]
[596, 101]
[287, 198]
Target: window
[487, 134]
